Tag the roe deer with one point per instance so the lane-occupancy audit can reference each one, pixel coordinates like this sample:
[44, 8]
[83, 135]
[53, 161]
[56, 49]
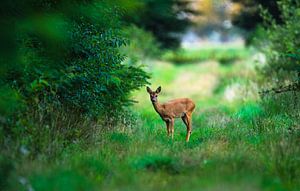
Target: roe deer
[176, 108]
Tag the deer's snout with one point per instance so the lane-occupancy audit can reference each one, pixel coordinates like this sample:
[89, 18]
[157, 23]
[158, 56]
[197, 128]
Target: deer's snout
[153, 98]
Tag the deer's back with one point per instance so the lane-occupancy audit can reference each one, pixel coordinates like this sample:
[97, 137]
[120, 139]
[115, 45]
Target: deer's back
[178, 107]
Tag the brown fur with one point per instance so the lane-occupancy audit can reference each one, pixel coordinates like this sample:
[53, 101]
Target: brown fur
[177, 108]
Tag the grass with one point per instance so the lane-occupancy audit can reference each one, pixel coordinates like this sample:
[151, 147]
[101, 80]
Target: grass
[239, 144]
[238, 156]
[223, 55]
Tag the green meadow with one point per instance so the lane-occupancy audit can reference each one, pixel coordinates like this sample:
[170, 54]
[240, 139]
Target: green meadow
[76, 115]
[240, 140]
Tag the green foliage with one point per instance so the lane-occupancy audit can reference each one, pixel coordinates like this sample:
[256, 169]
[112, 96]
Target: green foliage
[72, 58]
[142, 46]
[10, 100]
[6, 167]
[251, 12]
[235, 156]
[49, 141]
[233, 146]
[282, 44]
[63, 75]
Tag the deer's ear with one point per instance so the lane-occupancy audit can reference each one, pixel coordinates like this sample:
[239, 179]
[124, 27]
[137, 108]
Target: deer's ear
[158, 90]
[149, 90]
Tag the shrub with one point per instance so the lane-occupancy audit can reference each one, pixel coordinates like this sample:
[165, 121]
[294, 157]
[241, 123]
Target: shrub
[142, 45]
[282, 39]
[63, 74]
[5, 169]
[89, 76]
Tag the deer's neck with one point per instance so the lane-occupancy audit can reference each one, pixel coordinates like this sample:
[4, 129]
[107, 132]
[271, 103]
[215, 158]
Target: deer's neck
[158, 107]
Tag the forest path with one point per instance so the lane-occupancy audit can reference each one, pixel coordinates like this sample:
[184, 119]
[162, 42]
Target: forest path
[197, 81]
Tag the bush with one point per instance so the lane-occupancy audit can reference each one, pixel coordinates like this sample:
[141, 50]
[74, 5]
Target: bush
[88, 76]
[63, 73]
[142, 45]
[281, 41]
[6, 167]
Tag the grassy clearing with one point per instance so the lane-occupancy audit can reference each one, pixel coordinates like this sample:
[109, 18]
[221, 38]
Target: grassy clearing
[224, 55]
[238, 142]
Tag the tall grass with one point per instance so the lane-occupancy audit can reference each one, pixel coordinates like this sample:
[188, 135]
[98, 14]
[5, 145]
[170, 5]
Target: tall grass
[241, 154]
[250, 144]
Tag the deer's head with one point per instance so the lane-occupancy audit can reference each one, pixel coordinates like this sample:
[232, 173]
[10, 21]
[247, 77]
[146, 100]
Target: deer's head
[153, 94]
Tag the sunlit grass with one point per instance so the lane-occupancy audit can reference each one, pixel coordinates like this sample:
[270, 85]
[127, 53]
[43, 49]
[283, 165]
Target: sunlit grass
[224, 55]
[232, 157]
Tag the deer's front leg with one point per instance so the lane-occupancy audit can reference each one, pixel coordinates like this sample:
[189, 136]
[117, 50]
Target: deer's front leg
[168, 127]
[172, 128]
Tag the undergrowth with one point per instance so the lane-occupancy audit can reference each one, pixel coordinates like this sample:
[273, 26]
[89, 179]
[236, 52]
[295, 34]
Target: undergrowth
[257, 148]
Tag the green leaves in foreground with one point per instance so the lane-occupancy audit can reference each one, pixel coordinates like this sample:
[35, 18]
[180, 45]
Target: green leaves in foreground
[67, 58]
[67, 180]
[10, 101]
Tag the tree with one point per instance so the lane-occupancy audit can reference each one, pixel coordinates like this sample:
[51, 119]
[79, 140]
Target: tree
[165, 19]
[282, 48]
[249, 18]
[61, 72]
[251, 12]
[214, 15]
[63, 53]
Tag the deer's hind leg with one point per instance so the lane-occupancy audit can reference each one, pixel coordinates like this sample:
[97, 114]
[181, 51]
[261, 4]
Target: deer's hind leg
[189, 129]
[184, 119]
[187, 119]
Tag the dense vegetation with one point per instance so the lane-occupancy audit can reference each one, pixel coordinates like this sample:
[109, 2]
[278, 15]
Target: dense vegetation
[282, 44]
[70, 72]
[64, 68]
[252, 13]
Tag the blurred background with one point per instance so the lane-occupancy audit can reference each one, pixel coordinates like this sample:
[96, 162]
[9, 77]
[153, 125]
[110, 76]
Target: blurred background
[75, 114]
